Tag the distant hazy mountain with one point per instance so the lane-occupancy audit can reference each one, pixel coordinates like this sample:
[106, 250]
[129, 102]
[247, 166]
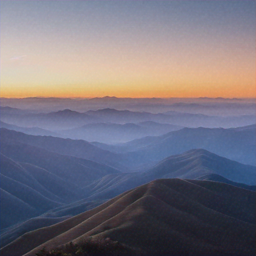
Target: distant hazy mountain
[125, 116]
[216, 107]
[164, 217]
[31, 131]
[172, 117]
[236, 144]
[203, 105]
[9, 111]
[117, 133]
[68, 119]
[51, 121]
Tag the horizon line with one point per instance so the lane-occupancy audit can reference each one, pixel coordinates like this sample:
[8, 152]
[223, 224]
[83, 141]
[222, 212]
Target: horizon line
[114, 97]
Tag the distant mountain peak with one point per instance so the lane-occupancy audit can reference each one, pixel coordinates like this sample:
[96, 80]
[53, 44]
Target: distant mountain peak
[191, 154]
[108, 110]
[199, 151]
[199, 162]
[65, 112]
[105, 98]
[109, 97]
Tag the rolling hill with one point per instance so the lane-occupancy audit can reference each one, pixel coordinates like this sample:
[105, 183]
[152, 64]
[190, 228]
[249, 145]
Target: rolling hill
[189, 165]
[195, 164]
[164, 217]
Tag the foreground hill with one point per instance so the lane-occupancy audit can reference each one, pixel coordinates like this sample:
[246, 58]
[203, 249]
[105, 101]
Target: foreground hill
[164, 217]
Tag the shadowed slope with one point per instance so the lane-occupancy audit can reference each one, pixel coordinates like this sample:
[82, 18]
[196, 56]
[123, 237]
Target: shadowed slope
[68, 147]
[164, 217]
[27, 194]
[22, 209]
[17, 230]
[39, 180]
[18, 172]
[218, 178]
[83, 171]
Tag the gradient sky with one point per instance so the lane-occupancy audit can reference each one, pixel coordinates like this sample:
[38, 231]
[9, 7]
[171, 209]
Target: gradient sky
[127, 48]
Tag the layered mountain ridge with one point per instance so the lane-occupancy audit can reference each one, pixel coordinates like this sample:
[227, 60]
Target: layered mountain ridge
[177, 177]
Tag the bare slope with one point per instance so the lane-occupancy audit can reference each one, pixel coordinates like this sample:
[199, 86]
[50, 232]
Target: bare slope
[164, 217]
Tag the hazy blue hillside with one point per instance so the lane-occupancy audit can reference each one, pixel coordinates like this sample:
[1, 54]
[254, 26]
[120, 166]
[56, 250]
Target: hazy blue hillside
[116, 133]
[38, 180]
[190, 165]
[31, 131]
[68, 147]
[236, 144]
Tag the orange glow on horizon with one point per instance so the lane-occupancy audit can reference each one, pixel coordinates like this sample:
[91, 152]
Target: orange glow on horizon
[155, 92]
[124, 53]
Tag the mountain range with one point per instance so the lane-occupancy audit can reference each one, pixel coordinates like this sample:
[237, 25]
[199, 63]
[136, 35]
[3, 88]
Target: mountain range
[117, 133]
[203, 105]
[63, 197]
[236, 143]
[110, 176]
[70, 119]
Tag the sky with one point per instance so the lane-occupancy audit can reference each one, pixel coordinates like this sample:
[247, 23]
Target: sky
[127, 48]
